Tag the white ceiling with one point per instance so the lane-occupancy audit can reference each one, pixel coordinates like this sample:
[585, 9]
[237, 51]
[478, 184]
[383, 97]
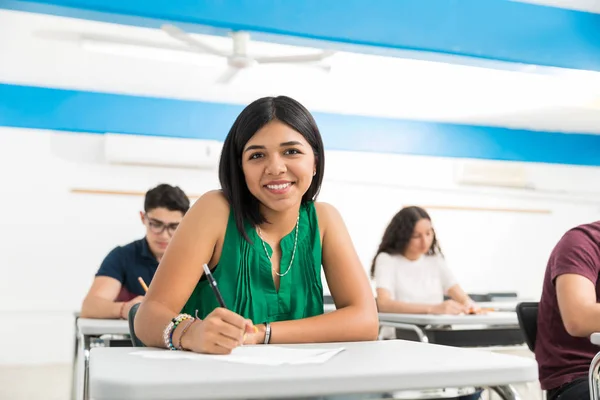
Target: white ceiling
[581, 5]
[47, 51]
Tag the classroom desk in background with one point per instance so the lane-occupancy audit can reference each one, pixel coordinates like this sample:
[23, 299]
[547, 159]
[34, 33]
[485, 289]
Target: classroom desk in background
[90, 333]
[483, 330]
[508, 304]
[499, 305]
[377, 367]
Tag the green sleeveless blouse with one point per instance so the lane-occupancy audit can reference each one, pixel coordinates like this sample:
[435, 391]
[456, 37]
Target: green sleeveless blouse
[245, 280]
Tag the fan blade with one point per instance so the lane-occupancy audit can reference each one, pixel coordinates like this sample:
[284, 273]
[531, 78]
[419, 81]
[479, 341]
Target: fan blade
[184, 37]
[228, 75]
[300, 58]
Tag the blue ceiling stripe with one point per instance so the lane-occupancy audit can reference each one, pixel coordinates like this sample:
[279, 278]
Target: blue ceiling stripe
[80, 111]
[491, 29]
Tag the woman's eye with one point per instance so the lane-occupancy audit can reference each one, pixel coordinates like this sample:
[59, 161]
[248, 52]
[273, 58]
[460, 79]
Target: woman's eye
[292, 151]
[255, 156]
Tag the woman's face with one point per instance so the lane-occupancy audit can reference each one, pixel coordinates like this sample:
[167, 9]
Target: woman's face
[279, 165]
[421, 239]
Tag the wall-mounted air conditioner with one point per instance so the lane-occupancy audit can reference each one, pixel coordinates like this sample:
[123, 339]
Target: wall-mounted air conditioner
[492, 173]
[161, 151]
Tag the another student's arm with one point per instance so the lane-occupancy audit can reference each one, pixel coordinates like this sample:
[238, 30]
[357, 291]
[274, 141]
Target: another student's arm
[194, 243]
[356, 316]
[457, 294]
[386, 304]
[575, 273]
[577, 303]
[100, 300]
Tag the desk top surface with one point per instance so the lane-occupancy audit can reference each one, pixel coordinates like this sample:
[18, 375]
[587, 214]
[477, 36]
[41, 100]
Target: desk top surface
[363, 367]
[92, 326]
[89, 326]
[491, 318]
[499, 305]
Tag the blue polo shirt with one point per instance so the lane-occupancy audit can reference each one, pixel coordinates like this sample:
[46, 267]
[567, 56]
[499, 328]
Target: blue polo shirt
[126, 264]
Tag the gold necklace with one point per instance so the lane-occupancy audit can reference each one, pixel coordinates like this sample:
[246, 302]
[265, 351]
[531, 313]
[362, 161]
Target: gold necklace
[293, 251]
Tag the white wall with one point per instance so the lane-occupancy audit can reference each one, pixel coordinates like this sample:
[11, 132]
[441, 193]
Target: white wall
[52, 241]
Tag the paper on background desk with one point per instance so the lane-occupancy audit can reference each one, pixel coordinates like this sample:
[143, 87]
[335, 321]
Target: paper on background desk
[258, 355]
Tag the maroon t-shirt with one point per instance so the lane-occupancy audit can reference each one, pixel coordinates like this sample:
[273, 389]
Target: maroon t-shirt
[560, 356]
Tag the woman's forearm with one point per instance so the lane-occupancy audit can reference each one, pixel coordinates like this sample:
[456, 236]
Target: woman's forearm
[150, 321]
[401, 307]
[98, 307]
[347, 324]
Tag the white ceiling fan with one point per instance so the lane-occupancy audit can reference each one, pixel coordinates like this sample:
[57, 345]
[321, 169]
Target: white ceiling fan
[239, 59]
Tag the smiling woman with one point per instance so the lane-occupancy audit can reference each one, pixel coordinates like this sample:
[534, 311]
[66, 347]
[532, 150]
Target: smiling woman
[265, 239]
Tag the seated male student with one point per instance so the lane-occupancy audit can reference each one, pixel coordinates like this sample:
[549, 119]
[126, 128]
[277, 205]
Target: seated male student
[569, 312]
[117, 287]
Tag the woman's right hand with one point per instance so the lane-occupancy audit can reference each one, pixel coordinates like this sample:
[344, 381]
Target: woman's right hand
[449, 307]
[219, 333]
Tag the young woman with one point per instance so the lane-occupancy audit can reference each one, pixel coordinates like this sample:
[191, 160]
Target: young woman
[411, 275]
[264, 238]
[410, 272]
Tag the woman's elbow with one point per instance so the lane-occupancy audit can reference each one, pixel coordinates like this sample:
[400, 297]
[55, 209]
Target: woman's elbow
[140, 326]
[367, 327]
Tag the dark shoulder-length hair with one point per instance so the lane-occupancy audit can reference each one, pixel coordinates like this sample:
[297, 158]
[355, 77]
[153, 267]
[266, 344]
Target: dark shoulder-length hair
[256, 115]
[399, 232]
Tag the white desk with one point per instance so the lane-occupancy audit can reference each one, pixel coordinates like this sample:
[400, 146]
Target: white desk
[594, 374]
[500, 305]
[85, 331]
[364, 367]
[97, 327]
[421, 324]
[489, 319]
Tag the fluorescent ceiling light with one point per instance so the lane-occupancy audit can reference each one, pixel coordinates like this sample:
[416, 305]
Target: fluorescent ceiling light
[156, 53]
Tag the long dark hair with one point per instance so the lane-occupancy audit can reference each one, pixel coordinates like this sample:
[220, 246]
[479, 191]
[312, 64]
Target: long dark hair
[251, 120]
[399, 232]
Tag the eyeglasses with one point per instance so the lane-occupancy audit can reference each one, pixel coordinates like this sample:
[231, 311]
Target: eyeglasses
[158, 227]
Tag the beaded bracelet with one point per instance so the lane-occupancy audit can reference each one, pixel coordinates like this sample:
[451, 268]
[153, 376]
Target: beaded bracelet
[183, 331]
[170, 328]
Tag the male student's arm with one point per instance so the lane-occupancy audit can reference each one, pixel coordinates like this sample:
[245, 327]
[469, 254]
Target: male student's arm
[100, 300]
[575, 272]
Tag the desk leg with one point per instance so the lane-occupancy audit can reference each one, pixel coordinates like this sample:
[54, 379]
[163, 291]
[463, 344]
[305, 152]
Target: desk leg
[74, 378]
[506, 392]
[408, 327]
[593, 377]
[80, 367]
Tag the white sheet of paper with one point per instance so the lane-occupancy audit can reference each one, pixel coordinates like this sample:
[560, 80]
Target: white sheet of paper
[258, 355]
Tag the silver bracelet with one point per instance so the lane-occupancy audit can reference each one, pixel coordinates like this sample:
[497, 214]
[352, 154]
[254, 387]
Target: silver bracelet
[267, 333]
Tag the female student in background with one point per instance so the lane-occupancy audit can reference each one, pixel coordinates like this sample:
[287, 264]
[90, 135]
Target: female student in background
[411, 275]
[264, 238]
